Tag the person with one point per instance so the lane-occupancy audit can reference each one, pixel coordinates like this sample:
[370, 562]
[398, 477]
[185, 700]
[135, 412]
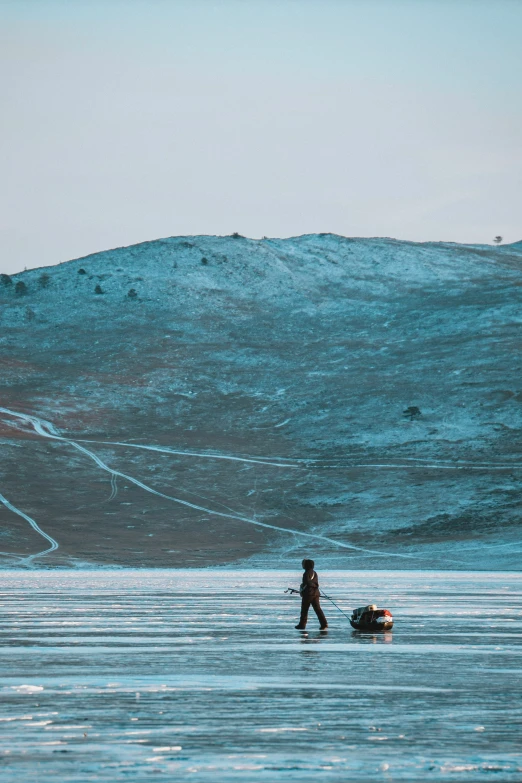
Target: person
[309, 591]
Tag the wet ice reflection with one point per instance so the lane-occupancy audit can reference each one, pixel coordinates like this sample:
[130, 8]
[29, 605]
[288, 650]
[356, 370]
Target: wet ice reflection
[201, 675]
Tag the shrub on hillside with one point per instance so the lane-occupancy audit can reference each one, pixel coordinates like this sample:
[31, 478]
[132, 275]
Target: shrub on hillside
[132, 294]
[412, 412]
[44, 280]
[5, 279]
[82, 272]
[235, 235]
[98, 290]
[204, 261]
[20, 288]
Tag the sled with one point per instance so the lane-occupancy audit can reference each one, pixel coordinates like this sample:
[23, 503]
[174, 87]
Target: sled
[370, 618]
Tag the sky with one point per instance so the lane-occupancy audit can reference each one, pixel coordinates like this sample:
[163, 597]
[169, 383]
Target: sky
[125, 121]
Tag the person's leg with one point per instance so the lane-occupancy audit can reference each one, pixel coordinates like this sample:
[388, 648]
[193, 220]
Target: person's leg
[305, 605]
[320, 614]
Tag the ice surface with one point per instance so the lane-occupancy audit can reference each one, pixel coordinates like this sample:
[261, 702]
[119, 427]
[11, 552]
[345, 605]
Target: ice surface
[200, 675]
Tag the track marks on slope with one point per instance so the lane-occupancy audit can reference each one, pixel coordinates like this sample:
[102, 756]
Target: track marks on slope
[424, 463]
[114, 489]
[54, 544]
[426, 466]
[47, 430]
[278, 463]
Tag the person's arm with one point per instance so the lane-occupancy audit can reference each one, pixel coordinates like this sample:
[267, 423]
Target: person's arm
[304, 584]
[308, 579]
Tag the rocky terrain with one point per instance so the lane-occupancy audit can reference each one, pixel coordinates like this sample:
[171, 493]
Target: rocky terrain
[219, 400]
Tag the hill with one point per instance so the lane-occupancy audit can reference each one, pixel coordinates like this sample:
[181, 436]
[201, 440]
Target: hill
[215, 400]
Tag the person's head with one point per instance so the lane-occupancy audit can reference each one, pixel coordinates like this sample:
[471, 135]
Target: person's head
[308, 565]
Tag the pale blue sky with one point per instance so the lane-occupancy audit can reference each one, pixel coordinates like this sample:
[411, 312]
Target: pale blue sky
[127, 121]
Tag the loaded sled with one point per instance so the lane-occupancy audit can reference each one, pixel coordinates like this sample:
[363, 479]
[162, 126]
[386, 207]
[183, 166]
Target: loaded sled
[369, 618]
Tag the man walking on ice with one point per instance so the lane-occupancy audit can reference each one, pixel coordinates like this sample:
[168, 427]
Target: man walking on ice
[309, 591]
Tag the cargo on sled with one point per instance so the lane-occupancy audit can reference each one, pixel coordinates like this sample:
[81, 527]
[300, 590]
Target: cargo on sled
[369, 618]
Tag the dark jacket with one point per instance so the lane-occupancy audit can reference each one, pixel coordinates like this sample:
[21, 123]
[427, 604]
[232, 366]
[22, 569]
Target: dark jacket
[310, 585]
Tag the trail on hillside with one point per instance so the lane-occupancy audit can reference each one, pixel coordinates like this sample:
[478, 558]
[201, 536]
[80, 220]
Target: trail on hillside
[47, 430]
[114, 489]
[54, 544]
[278, 463]
[319, 463]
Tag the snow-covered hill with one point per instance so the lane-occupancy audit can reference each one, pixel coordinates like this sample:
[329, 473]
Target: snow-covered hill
[273, 377]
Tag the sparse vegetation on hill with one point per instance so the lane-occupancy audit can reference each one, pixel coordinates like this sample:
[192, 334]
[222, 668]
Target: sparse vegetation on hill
[381, 371]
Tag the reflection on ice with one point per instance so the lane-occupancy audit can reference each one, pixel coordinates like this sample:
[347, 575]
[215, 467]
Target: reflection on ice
[124, 689]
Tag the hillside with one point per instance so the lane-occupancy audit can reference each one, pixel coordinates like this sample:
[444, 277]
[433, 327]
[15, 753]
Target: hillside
[224, 400]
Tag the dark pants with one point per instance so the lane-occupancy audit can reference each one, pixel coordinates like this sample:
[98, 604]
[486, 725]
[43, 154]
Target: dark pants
[305, 606]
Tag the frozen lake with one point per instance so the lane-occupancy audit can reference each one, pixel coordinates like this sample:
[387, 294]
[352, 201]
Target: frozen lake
[200, 675]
